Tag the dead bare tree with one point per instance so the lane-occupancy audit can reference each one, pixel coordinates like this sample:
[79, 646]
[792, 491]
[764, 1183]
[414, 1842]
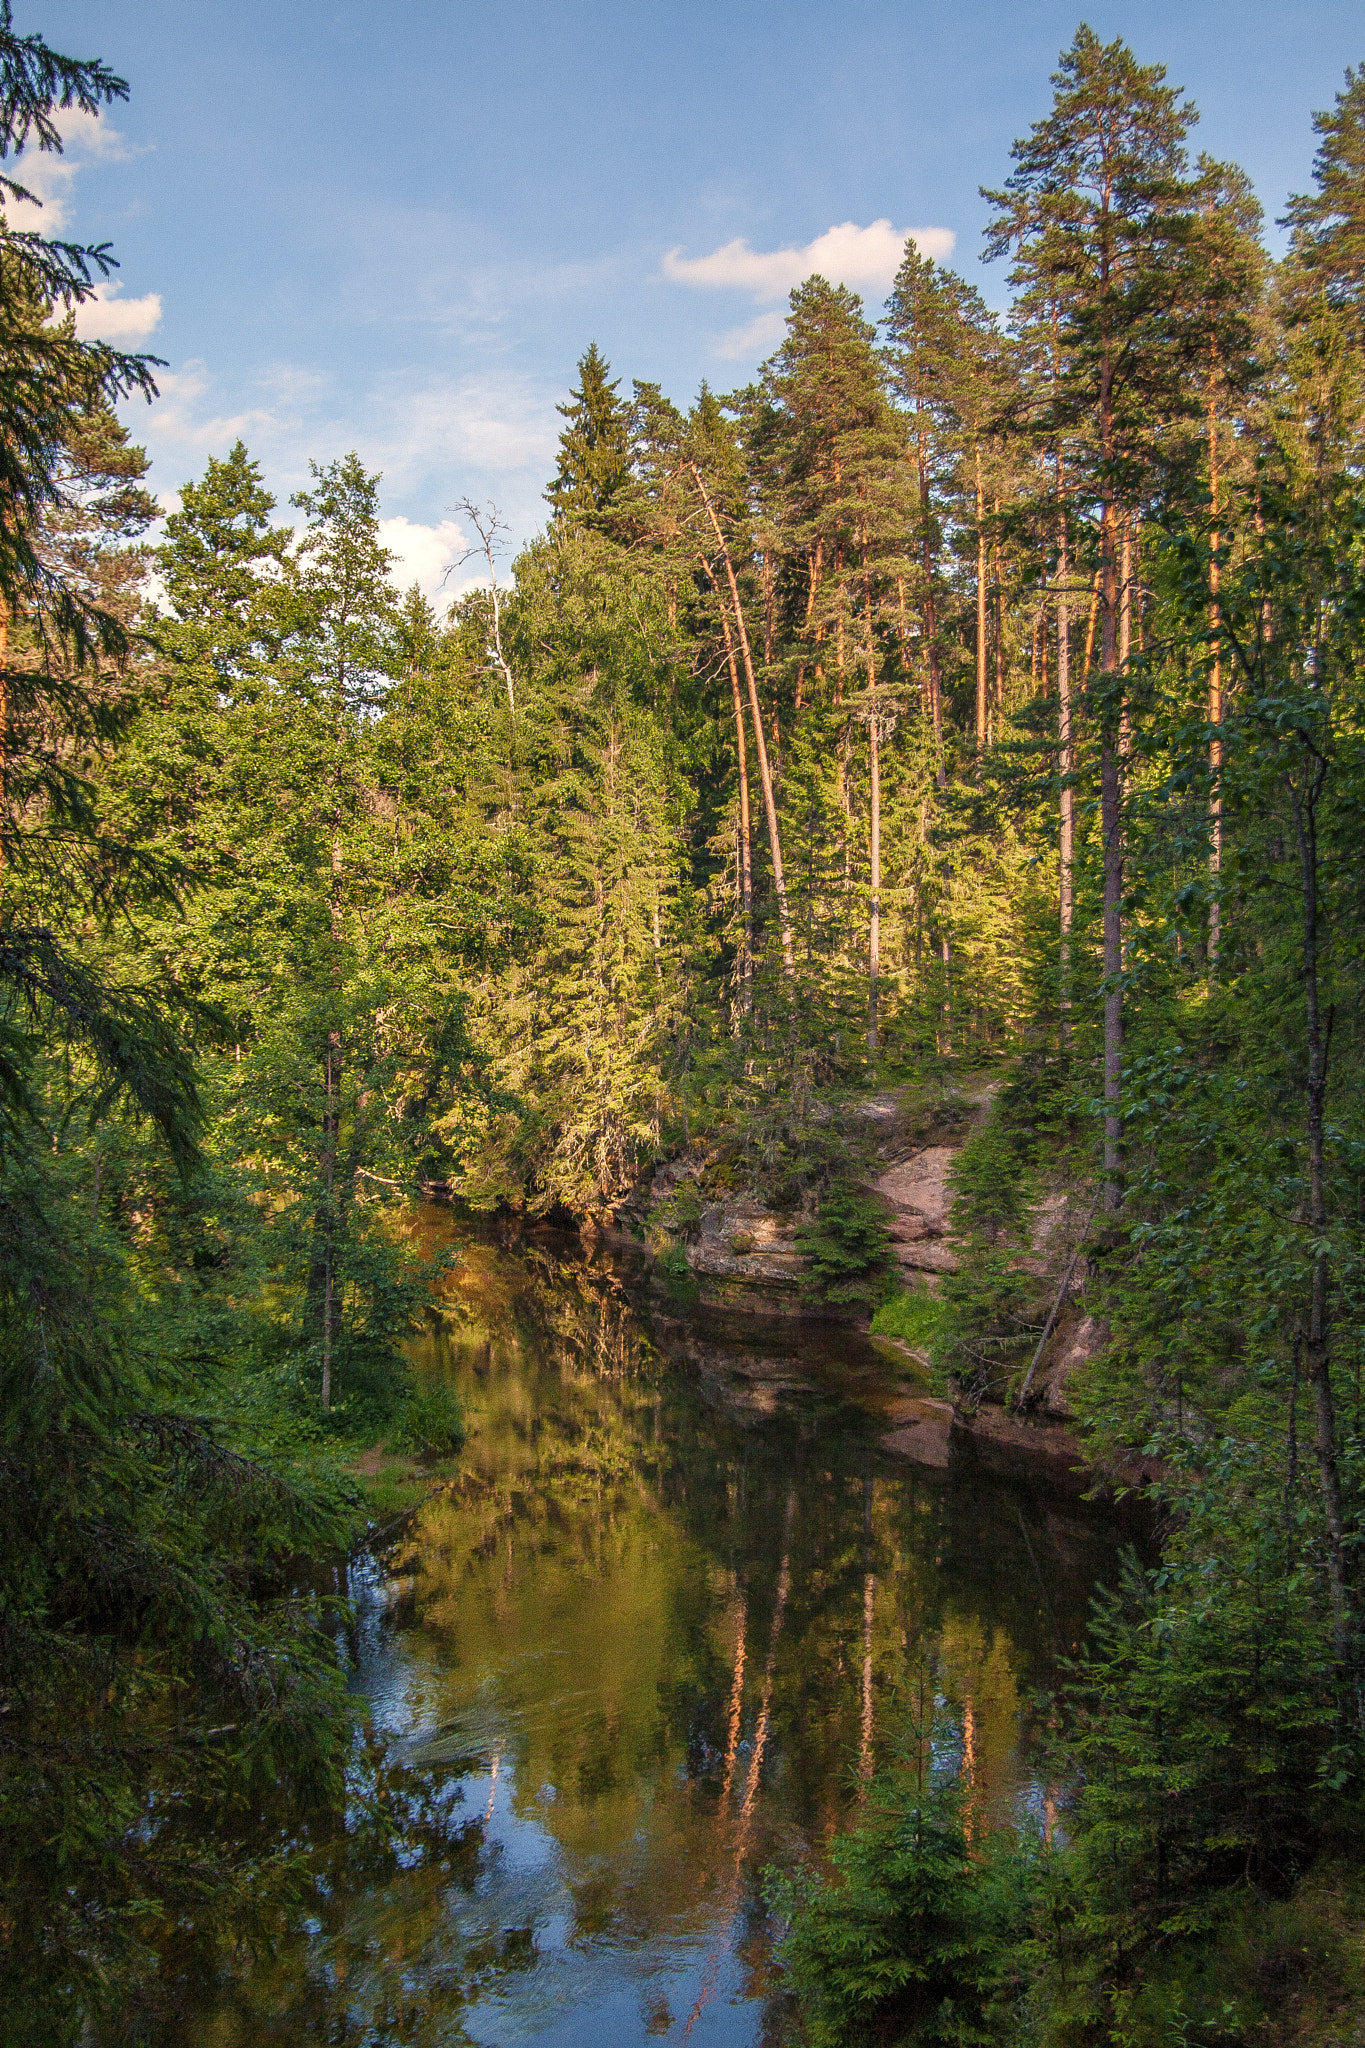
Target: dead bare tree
[490, 526]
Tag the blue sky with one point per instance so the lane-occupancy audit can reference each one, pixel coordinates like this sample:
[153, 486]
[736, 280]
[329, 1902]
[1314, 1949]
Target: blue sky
[395, 227]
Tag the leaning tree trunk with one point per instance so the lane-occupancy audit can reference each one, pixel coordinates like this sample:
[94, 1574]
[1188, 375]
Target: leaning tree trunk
[746, 884]
[980, 610]
[765, 773]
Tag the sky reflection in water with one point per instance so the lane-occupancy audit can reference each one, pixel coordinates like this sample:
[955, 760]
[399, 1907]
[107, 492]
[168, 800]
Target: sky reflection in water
[672, 1615]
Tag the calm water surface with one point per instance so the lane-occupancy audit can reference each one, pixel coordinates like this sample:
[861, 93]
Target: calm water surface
[674, 1611]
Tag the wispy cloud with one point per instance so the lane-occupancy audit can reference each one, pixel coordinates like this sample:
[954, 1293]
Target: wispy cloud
[433, 441]
[109, 317]
[863, 258]
[755, 338]
[501, 427]
[182, 420]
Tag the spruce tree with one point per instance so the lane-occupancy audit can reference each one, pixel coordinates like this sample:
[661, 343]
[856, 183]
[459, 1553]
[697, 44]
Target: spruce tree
[594, 444]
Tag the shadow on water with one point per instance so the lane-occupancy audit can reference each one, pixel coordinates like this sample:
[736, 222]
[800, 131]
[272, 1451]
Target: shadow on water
[656, 1636]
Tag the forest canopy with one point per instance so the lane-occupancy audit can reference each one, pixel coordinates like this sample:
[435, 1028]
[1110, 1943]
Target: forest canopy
[967, 691]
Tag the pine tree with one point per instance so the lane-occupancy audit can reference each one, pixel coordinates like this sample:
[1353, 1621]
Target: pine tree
[932, 319]
[1328, 245]
[1235, 268]
[1099, 217]
[839, 450]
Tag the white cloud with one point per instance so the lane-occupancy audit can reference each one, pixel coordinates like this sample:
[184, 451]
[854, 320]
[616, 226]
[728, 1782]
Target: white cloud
[107, 317]
[433, 440]
[428, 556]
[754, 339]
[863, 258]
[49, 175]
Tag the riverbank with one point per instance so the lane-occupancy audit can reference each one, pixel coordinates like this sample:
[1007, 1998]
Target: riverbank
[393, 1484]
[719, 1223]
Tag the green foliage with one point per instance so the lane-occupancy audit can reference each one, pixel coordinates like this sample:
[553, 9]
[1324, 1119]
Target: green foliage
[675, 1271]
[1328, 247]
[1201, 1735]
[594, 447]
[156, 1656]
[432, 1421]
[846, 1247]
[682, 1212]
[988, 1304]
[916, 1937]
[748, 792]
[913, 1315]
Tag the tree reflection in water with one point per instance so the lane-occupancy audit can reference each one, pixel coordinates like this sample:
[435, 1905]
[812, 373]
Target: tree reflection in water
[657, 1635]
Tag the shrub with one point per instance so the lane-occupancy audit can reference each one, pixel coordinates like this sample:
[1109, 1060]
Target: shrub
[916, 1938]
[433, 1421]
[847, 1248]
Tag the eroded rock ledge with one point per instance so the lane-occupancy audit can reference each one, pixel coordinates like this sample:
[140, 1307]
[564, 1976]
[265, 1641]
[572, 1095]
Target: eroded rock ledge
[742, 1252]
[742, 1257]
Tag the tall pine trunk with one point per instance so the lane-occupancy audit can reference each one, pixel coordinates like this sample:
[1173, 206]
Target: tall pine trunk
[765, 774]
[874, 764]
[930, 617]
[1066, 831]
[980, 610]
[1215, 710]
[1111, 830]
[1111, 807]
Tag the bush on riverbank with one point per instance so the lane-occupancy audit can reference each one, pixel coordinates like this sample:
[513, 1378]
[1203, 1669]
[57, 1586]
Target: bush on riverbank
[847, 1248]
[915, 1938]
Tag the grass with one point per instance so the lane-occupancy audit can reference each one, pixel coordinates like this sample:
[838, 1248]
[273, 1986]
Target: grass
[397, 1475]
[911, 1315]
[392, 1482]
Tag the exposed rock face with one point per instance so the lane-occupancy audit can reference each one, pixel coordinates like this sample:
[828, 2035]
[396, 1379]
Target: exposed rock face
[923, 1432]
[920, 1199]
[1072, 1346]
[745, 1256]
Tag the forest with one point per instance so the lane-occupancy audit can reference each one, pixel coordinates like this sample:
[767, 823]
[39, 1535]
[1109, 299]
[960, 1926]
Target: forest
[970, 693]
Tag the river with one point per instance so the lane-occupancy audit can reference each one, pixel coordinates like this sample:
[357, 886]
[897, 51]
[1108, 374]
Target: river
[677, 1608]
